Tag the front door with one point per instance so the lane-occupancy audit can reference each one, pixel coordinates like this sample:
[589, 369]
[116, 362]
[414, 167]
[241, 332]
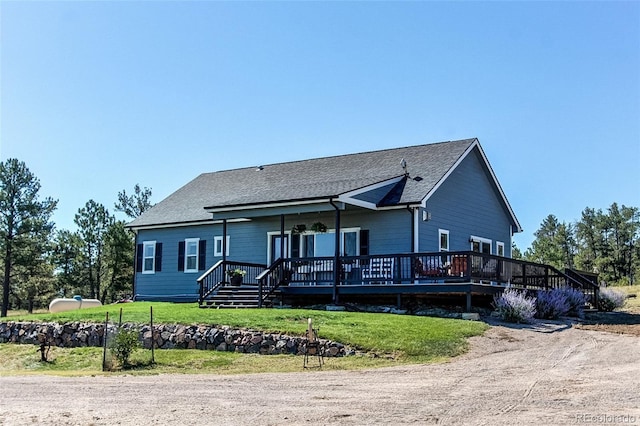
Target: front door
[276, 247]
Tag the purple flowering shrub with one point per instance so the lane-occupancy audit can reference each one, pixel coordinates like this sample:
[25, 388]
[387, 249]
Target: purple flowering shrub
[552, 304]
[576, 300]
[610, 299]
[514, 306]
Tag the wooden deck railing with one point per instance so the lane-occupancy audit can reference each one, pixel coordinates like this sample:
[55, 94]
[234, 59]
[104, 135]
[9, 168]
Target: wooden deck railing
[420, 268]
[393, 269]
[217, 276]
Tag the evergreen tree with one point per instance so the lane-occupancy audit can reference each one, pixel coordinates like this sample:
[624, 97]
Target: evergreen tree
[119, 251]
[24, 222]
[93, 221]
[589, 239]
[554, 244]
[608, 243]
[136, 204]
[67, 258]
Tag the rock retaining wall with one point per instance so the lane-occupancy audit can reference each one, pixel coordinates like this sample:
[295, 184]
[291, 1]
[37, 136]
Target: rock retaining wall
[170, 336]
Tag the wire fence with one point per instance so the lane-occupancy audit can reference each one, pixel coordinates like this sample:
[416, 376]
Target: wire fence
[123, 340]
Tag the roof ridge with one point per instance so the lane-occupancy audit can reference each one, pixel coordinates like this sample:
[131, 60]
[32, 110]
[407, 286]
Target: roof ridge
[470, 140]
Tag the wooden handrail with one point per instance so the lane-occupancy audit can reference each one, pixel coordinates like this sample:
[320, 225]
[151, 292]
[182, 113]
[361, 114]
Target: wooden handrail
[216, 276]
[217, 264]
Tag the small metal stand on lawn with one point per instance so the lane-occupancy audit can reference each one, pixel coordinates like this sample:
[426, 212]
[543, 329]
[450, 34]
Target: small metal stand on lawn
[312, 347]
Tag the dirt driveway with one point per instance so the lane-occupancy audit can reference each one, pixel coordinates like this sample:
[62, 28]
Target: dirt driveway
[547, 374]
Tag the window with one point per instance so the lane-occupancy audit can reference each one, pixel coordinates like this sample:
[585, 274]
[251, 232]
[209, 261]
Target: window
[148, 257]
[350, 243]
[500, 248]
[443, 237]
[277, 244]
[191, 254]
[217, 245]
[319, 244]
[480, 245]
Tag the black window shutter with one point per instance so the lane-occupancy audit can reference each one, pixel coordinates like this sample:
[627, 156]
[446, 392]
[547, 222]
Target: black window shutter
[202, 254]
[364, 242]
[158, 260]
[181, 256]
[295, 246]
[139, 249]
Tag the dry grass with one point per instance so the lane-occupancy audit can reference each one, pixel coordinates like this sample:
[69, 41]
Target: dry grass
[624, 321]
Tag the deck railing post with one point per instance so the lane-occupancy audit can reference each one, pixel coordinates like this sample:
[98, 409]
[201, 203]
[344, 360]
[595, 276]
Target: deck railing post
[546, 278]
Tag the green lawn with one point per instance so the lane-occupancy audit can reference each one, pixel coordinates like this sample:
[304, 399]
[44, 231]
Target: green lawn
[409, 339]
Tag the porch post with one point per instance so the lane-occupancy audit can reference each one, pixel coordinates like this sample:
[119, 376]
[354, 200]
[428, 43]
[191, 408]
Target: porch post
[224, 243]
[336, 256]
[282, 236]
[412, 212]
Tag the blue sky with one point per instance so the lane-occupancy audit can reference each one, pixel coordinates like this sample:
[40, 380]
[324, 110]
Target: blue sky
[98, 96]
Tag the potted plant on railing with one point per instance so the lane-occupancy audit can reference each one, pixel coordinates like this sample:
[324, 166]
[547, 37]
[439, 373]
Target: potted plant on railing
[319, 227]
[236, 275]
[299, 229]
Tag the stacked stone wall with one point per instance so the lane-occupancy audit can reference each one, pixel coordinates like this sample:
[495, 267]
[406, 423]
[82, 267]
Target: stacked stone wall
[168, 336]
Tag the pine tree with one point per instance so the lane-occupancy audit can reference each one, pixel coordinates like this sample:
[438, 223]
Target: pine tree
[24, 219]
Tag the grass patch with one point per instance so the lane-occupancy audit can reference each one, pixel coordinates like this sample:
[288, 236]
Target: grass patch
[404, 338]
[23, 359]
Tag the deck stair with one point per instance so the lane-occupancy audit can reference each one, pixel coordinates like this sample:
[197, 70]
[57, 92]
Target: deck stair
[243, 296]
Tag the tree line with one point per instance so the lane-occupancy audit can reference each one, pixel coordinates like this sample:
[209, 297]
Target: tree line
[40, 262]
[605, 242]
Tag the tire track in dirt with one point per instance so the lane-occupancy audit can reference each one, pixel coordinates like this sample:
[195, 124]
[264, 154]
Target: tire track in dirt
[511, 375]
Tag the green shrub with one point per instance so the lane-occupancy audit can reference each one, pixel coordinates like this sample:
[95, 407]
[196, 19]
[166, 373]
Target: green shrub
[123, 344]
[610, 299]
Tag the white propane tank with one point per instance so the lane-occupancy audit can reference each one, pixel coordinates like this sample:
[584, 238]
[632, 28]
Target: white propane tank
[64, 304]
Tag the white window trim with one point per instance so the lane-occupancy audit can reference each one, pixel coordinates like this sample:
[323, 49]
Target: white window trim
[145, 244]
[302, 248]
[186, 253]
[440, 233]
[498, 245]
[217, 252]
[342, 232]
[474, 238]
[345, 230]
[270, 234]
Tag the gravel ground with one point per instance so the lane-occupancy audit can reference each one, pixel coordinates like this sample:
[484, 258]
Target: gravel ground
[547, 374]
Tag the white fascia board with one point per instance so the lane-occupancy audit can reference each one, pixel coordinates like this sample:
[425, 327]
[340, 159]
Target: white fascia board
[502, 194]
[185, 224]
[265, 205]
[475, 144]
[446, 175]
[347, 197]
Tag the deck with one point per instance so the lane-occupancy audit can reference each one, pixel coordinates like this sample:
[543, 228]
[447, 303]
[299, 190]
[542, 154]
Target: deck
[444, 273]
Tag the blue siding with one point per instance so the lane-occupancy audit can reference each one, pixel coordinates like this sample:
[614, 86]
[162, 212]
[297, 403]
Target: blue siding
[171, 284]
[466, 204]
[390, 232]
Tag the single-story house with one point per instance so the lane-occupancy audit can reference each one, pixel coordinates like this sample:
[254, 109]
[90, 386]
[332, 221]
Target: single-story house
[331, 225]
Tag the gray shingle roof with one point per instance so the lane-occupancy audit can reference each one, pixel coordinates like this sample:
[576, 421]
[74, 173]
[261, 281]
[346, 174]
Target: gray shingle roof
[318, 178]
